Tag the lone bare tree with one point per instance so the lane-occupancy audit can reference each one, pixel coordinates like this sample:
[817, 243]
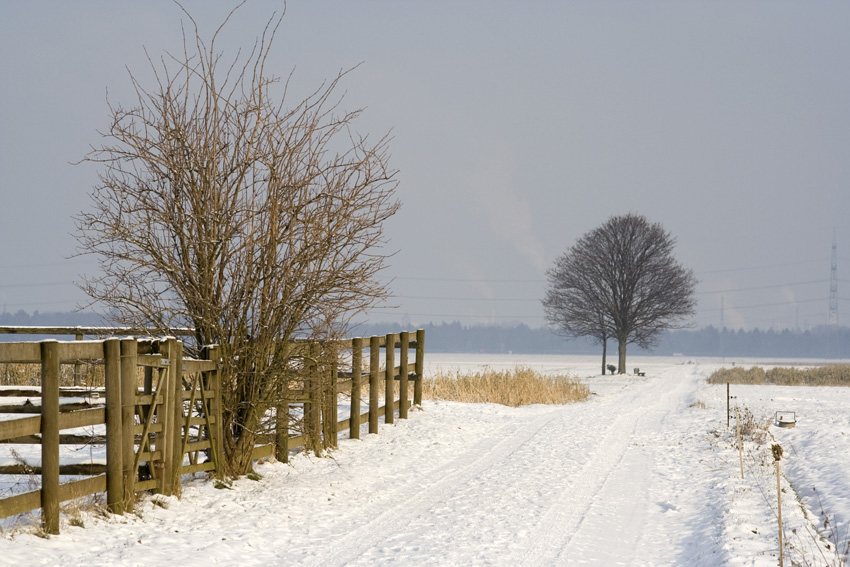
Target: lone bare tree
[621, 281]
[224, 207]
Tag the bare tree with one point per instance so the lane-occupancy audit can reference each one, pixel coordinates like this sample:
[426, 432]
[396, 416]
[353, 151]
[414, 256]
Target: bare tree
[224, 207]
[621, 281]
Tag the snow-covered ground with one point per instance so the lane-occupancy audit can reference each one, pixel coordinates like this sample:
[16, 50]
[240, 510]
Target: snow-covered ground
[644, 473]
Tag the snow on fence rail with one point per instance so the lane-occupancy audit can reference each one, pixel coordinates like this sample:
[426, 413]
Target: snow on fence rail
[162, 411]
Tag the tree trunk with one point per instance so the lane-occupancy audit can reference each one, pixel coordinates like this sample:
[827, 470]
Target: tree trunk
[604, 354]
[621, 367]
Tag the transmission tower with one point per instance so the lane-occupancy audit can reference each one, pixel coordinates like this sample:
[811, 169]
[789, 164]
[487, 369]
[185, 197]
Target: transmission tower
[832, 318]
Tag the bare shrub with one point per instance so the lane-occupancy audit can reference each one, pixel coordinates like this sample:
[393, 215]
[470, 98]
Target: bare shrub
[753, 428]
[517, 387]
[227, 206]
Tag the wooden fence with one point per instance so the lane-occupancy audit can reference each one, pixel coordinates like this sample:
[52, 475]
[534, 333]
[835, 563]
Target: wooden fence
[148, 430]
[159, 407]
[378, 372]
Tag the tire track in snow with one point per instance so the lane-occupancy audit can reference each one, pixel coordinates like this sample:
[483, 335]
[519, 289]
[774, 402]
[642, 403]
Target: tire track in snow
[452, 474]
[573, 510]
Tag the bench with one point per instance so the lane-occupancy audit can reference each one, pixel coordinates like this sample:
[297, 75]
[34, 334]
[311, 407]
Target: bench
[639, 373]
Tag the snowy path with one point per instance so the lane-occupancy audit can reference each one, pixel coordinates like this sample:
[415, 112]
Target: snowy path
[642, 474]
[537, 495]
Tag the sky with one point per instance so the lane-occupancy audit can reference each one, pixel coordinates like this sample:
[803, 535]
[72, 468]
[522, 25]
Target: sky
[517, 127]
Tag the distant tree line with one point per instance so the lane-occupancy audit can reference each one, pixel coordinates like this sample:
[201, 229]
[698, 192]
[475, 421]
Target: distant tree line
[819, 342]
[21, 318]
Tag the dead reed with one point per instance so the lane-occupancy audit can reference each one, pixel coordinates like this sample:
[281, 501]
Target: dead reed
[517, 387]
[830, 375]
[84, 374]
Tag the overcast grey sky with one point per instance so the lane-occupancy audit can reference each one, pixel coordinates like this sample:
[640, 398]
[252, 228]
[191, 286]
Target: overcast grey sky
[518, 127]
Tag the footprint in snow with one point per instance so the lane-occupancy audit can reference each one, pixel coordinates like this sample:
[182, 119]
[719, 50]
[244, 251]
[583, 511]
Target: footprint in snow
[667, 507]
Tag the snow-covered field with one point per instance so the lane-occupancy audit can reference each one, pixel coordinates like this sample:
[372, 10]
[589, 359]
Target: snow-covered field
[645, 473]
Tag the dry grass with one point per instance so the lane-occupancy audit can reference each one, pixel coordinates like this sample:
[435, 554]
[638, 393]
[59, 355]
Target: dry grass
[831, 375]
[90, 375]
[518, 387]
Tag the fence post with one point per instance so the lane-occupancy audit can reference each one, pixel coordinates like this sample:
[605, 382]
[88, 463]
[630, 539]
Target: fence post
[356, 370]
[129, 359]
[402, 372]
[281, 423]
[420, 367]
[313, 409]
[214, 407]
[114, 430]
[332, 355]
[175, 357]
[77, 366]
[326, 393]
[374, 392]
[281, 432]
[165, 416]
[389, 380]
[50, 436]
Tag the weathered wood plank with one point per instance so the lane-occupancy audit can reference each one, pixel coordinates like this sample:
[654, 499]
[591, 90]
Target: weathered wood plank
[72, 351]
[191, 366]
[262, 451]
[152, 361]
[20, 503]
[20, 353]
[90, 331]
[66, 439]
[82, 418]
[139, 428]
[30, 408]
[149, 456]
[143, 485]
[73, 469]
[187, 394]
[83, 487]
[12, 428]
[200, 467]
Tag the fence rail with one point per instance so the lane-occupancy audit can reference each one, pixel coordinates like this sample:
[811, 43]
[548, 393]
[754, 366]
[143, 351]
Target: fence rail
[162, 412]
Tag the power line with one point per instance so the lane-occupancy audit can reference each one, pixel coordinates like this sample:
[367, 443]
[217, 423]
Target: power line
[49, 284]
[750, 268]
[757, 288]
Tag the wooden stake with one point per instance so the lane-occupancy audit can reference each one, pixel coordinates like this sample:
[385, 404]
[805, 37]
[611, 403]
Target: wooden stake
[114, 428]
[403, 385]
[356, 371]
[420, 367]
[129, 358]
[50, 436]
[374, 388]
[740, 444]
[777, 455]
[389, 380]
[779, 508]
